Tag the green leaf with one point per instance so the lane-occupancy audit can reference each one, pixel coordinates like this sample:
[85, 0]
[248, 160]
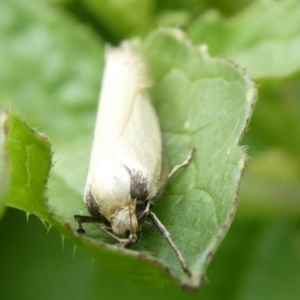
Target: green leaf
[265, 38]
[201, 101]
[194, 101]
[29, 160]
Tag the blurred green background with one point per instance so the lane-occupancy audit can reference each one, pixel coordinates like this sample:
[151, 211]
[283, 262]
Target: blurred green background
[260, 257]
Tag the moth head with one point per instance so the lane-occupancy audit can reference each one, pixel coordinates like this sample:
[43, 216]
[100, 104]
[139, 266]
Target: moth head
[124, 221]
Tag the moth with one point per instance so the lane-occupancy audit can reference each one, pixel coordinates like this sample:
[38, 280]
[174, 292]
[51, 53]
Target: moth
[128, 169]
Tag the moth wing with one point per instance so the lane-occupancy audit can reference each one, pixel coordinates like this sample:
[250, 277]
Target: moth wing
[127, 128]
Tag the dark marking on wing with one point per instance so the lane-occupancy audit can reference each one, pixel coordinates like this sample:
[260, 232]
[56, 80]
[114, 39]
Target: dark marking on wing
[138, 185]
[93, 207]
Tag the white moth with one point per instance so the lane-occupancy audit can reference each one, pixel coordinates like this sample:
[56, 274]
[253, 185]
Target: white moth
[127, 170]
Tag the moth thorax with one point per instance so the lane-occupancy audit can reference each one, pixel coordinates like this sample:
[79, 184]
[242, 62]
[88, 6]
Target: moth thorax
[124, 221]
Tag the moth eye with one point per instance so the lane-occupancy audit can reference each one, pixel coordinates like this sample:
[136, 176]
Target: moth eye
[127, 233]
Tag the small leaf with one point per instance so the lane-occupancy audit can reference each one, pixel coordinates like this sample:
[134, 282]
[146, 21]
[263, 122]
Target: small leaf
[265, 38]
[29, 159]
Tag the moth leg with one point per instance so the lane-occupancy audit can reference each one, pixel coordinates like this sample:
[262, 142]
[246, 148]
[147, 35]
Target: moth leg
[165, 233]
[183, 164]
[123, 242]
[85, 219]
[142, 215]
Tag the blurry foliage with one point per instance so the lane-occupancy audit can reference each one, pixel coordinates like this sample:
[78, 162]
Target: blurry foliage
[259, 259]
